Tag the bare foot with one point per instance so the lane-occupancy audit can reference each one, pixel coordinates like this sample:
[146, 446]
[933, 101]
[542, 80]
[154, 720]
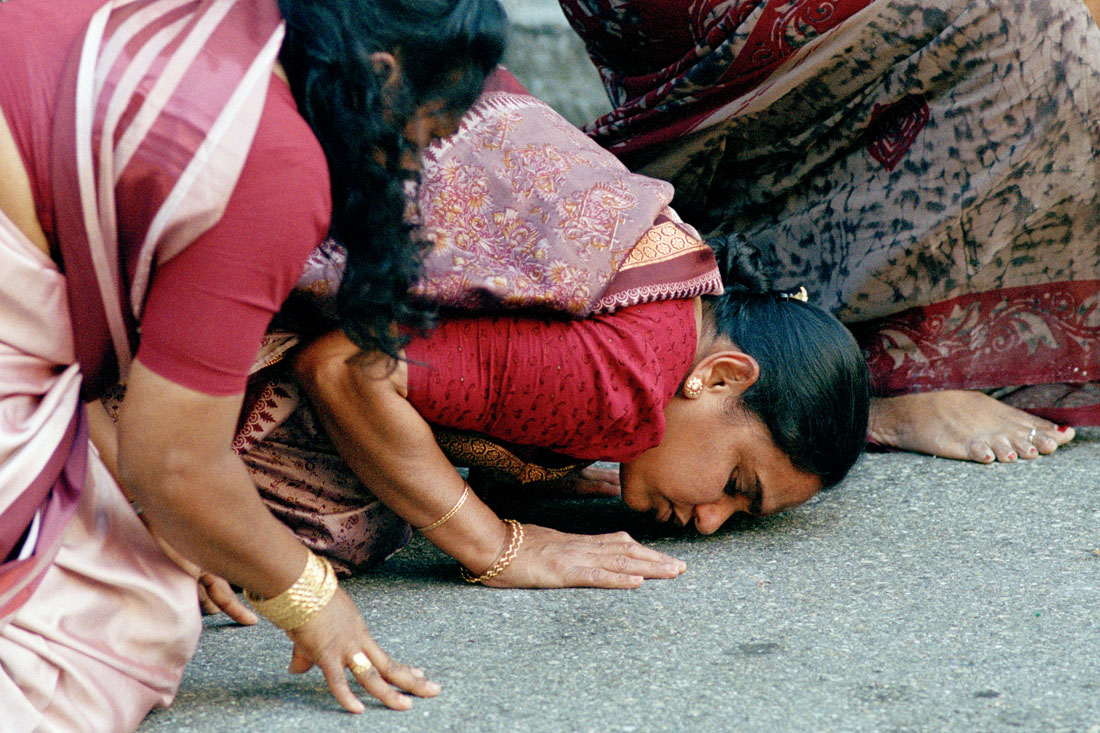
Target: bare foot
[968, 426]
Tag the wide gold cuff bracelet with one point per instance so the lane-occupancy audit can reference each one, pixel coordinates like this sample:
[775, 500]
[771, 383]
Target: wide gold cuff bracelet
[302, 601]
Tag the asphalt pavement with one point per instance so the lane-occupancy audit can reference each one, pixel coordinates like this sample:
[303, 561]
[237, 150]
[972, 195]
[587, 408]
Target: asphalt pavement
[921, 595]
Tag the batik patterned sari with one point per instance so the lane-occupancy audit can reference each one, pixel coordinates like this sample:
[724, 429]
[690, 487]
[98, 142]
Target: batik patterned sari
[929, 171]
[524, 212]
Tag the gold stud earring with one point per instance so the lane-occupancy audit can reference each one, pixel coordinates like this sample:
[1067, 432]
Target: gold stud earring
[693, 388]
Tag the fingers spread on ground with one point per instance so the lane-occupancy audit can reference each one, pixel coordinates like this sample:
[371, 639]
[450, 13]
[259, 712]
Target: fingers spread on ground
[391, 697]
[406, 678]
[641, 552]
[221, 594]
[209, 608]
[338, 684]
[299, 663]
[645, 568]
[601, 578]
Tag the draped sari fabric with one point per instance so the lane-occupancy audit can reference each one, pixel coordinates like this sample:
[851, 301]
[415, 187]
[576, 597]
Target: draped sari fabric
[929, 171]
[156, 111]
[43, 436]
[128, 85]
[159, 106]
[523, 212]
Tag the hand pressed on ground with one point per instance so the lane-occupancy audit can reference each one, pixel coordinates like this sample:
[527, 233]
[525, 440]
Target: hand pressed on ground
[551, 559]
[332, 639]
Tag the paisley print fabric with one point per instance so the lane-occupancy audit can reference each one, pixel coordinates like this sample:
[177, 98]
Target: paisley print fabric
[304, 481]
[927, 170]
[525, 212]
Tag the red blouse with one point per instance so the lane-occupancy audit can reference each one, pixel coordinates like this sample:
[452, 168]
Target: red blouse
[592, 389]
[208, 307]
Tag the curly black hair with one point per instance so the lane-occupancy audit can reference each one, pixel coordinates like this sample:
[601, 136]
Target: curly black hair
[445, 49]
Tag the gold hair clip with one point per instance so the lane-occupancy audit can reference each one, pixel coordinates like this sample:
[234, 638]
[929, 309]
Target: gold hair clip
[799, 294]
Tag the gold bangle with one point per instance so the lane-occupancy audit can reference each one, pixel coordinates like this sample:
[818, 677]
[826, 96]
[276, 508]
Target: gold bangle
[302, 601]
[505, 559]
[458, 505]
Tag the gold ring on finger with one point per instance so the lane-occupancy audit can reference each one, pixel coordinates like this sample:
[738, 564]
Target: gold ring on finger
[360, 665]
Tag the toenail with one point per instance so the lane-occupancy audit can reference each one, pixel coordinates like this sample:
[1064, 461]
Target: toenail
[1032, 451]
[1063, 428]
[1012, 456]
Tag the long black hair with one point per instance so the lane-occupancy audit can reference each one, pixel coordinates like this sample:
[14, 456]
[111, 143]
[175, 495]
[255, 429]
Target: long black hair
[445, 49]
[814, 389]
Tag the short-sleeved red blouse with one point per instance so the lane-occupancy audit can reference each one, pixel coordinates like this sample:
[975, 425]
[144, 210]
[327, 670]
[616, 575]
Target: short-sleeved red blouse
[208, 307]
[592, 389]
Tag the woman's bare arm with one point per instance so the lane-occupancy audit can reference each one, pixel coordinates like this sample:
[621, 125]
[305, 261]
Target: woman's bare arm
[362, 401]
[174, 457]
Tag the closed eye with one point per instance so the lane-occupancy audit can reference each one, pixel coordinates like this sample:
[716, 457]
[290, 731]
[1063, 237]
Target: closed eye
[749, 489]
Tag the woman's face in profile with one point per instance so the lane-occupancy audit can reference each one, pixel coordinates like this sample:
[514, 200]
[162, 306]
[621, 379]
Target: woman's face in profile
[710, 466]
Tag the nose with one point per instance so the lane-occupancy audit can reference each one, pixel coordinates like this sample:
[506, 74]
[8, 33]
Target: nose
[709, 517]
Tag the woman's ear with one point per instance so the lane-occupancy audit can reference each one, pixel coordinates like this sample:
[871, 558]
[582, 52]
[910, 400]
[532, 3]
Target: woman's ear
[731, 372]
[386, 66]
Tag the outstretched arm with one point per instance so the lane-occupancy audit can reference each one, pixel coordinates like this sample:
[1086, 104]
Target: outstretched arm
[175, 459]
[362, 400]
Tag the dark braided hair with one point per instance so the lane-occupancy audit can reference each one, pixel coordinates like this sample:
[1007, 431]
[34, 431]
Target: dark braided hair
[445, 50]
[814, 389]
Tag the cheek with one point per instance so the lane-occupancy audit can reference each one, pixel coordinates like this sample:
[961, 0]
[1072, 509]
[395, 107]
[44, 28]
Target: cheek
[633, 486]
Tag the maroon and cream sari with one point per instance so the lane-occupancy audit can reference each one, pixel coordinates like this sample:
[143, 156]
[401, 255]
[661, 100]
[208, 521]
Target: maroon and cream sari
[87, 599]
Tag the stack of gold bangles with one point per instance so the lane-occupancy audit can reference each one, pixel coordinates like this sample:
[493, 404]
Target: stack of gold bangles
[515, 539]
[302, 601]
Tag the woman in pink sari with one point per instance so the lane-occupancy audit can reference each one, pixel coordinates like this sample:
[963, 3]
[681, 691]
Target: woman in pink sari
[162, 185]
[928, 171]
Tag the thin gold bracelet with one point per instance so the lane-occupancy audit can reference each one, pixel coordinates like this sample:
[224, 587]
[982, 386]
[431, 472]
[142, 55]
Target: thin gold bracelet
[505, 559]
[458, 505]
[302, 601]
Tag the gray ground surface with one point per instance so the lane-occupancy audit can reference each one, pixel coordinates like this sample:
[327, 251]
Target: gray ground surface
[547, 56]
[923, 594]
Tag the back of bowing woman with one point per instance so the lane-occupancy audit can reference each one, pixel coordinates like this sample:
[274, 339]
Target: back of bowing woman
[751, 401]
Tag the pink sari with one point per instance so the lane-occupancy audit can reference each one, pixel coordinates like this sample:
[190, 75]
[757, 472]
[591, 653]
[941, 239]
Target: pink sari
[74, 554]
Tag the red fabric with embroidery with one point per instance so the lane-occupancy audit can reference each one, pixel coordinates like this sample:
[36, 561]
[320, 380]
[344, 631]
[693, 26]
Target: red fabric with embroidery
[668, 66]
[592, 389]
